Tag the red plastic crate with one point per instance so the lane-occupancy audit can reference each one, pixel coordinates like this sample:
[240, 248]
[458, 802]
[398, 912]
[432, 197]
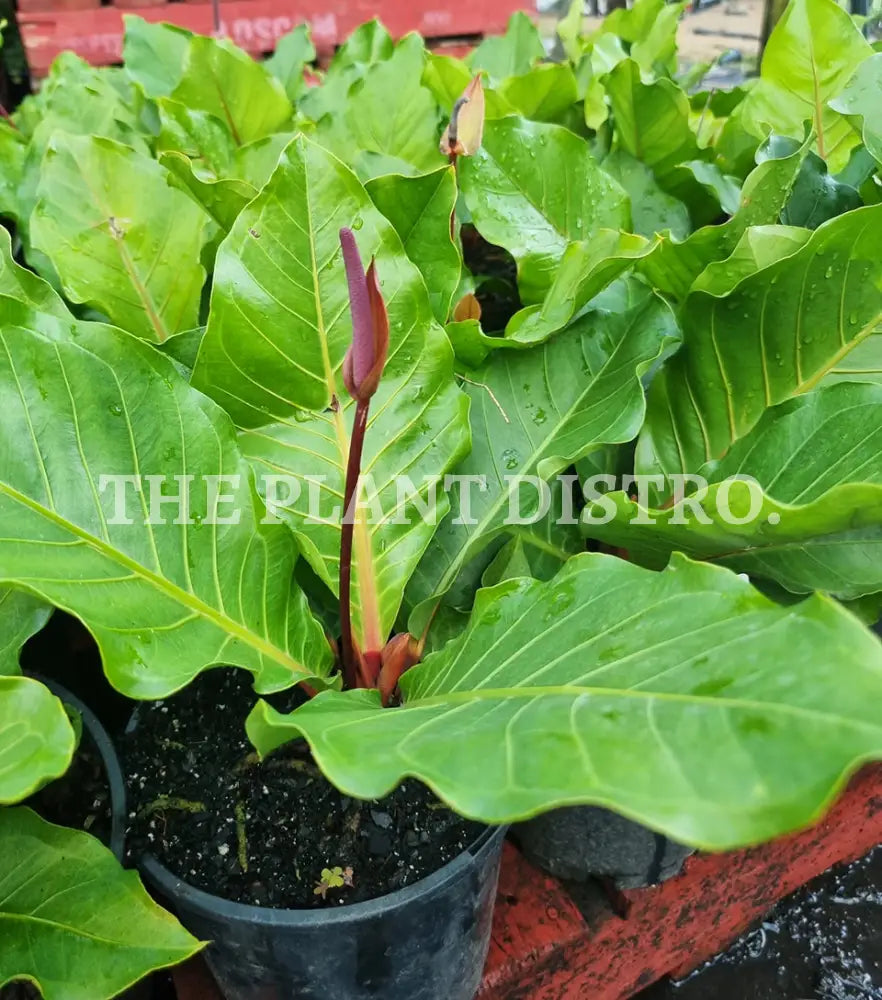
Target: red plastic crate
[255, 25]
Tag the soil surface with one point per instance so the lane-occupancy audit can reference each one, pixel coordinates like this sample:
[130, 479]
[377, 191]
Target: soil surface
[496, 273]
[822, 943]
[81, 797]
[262, 833]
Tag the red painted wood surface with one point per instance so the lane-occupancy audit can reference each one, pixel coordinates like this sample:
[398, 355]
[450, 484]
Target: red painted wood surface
[255, 25]
[544, 948]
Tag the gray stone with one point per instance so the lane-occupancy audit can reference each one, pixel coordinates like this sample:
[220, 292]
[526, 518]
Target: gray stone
[581, 842]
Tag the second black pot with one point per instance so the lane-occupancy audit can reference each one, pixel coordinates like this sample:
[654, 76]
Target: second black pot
[427, 941]
[580, 842]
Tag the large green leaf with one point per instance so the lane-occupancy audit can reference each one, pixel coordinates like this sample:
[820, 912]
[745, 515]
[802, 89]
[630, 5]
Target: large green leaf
[22, 284]
[36, 741]
[154, 54]
[220, 78]
[515, 52]
[369, 44]
[651, 119]
[584, 271]
[535, 412]
[652, 210]
[544, 94]
[293, 53]
[221, 198]
[817, 195]
[12, 160]
[21, 616]
[534, 188]
[754, 341]
[684, 699]
[199, 135]
[163, 600]
[121, 238]
[861, 98]
[389, 113]
[447, 77]
[84, 100]
[808, 60]
[420, 208]
[277, 334]
[812, 521]
[75, 923]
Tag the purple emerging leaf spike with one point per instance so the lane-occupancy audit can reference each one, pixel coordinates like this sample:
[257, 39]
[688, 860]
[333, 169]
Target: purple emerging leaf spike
[360, 307]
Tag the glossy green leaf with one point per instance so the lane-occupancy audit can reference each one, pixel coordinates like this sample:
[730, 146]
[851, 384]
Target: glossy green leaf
[256, 161]
[812, 521]
[724, 189]
[277, 335]
[293, 53]
[535, 188]
[223, 80]
[726, 730]
[20, 283]
[651, 119]
[809, 58]
[154, 54]
[862, 97]
[21, 616]
[511, 54]
[83, 401]
[420, 208]
[652, 209]
[222, 199]
[121, 238]
[368, 45]
[752, 340]
[75, 923]
[674, 266]
[36, 741]
[83, 100]
[544, 94]
[389, 112]
[655, 48]
[863, 364]
[526, 424]
[199, 135]
[818, 196]
[12, 159]
[584, 271]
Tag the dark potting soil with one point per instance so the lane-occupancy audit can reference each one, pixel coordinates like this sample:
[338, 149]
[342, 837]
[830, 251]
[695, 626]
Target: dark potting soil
[497, 290]
[80, 798]
[262, 832]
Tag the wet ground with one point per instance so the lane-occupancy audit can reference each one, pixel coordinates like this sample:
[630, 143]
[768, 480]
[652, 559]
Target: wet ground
[822, 943]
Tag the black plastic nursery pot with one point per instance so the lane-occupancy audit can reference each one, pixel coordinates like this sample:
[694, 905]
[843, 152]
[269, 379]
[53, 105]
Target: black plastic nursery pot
[581, 842]
[109, 760]
[427, 941]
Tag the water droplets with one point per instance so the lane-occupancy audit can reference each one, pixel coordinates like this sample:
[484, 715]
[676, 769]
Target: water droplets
[510, 458]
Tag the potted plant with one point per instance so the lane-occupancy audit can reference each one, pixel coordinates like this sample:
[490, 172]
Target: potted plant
[178, 471]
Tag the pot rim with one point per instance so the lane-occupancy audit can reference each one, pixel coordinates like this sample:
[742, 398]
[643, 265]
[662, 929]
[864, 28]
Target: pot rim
[109, 758]
[179, 891]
